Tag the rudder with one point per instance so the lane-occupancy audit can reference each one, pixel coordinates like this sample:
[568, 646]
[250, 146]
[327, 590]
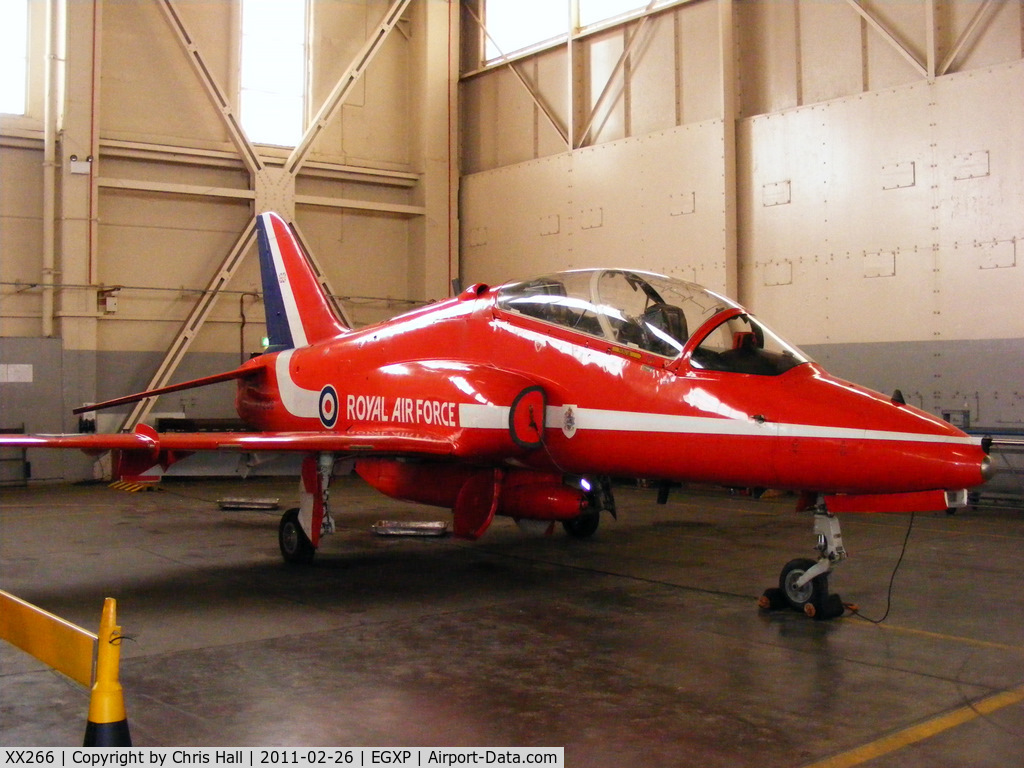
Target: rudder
[298, 312]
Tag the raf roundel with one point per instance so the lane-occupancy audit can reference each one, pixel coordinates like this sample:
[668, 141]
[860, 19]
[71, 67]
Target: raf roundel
[328, 406]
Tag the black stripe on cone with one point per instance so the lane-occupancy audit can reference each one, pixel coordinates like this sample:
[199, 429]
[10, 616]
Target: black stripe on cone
[107, 734]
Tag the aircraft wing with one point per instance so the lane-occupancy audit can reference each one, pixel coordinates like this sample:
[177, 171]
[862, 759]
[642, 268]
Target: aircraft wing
[341, 443]
[147, 440]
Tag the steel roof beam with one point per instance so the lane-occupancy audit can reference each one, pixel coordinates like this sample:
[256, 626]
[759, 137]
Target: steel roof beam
[245, 147]
[534, 93]
[888, 37]
[345, 85]
[193, 323]
[261, 178]
[619, 66]
[966, 36]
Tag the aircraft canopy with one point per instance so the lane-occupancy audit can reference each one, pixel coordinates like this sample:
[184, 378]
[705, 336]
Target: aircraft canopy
[654, 313]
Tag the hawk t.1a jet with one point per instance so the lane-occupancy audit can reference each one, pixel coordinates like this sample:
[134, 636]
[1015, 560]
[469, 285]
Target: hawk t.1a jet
[523, 399]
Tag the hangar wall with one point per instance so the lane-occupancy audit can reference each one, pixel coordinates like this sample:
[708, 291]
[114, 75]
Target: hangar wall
[867, 157]
[896, 258]
[655, 202]
[152, 193]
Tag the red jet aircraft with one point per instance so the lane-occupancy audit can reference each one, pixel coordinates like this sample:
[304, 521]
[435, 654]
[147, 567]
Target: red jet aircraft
[523, 399]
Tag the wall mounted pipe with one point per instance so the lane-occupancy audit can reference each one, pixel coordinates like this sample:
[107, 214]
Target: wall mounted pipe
[51, 110]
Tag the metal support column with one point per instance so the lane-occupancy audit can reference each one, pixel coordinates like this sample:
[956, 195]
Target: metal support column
[727, 54]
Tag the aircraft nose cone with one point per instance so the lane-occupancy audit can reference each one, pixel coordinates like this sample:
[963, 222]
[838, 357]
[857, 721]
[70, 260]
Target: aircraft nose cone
[988, 470]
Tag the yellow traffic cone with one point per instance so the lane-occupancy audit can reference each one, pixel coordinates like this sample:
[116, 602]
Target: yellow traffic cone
[108, 722]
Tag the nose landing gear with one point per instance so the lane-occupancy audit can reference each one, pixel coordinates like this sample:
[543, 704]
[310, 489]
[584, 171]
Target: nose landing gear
[803, 583]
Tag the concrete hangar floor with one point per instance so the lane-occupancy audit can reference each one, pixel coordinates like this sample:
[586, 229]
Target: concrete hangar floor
[641, 646]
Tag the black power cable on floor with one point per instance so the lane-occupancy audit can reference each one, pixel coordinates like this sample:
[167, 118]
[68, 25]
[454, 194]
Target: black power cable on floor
[888, 598]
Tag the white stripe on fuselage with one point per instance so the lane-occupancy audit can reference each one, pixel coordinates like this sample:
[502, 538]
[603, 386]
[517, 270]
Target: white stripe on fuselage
[305, 403]
[496, 417]
[474, 416]
[291, 307]
[295, 399]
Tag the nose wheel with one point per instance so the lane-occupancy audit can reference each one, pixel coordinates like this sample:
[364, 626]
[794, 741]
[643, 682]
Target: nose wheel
[803, 582]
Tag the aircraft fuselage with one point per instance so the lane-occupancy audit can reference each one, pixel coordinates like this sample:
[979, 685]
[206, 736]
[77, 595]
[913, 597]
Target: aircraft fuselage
[608, 408]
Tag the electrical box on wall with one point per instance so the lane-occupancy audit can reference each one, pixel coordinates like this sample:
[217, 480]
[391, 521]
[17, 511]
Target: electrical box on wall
[107, 300]
[83, 167]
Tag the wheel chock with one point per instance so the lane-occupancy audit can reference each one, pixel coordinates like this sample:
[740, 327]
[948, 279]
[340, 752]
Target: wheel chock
[831, 607]
[773, 599]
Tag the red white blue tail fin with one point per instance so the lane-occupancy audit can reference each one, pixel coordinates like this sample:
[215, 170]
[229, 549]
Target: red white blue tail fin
[298, 311]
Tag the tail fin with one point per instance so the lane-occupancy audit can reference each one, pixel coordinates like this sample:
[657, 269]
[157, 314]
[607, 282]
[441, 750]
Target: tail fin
[298, 312]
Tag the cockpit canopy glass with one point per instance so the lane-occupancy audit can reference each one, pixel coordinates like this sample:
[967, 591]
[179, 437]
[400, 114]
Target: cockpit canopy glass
[741, 344]
[654, 313]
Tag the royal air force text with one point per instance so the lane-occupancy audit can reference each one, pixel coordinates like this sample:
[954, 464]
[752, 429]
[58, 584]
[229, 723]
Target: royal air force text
[401, 410]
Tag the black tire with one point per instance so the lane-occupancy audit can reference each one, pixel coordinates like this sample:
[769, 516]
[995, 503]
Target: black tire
[812, 593]
[584, 526]
[296, 548]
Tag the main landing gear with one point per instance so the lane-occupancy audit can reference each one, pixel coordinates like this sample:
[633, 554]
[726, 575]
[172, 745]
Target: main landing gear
[803, 582]
[296, 548]
[301, 528]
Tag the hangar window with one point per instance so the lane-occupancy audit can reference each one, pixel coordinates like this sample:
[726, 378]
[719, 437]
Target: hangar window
[273, 71]
[595, 11]
[14, 56]
[515, 26]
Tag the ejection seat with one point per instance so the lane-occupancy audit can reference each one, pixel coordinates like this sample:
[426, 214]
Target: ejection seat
[670, 320]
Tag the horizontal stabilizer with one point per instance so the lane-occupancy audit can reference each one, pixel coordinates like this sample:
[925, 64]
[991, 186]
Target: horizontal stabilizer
[238, 373]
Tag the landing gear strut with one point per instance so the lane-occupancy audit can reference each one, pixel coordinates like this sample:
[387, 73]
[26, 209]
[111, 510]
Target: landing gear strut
[301, 528]
[803, 583]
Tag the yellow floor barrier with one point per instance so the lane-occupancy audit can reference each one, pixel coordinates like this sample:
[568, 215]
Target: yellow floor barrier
[70, 650]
